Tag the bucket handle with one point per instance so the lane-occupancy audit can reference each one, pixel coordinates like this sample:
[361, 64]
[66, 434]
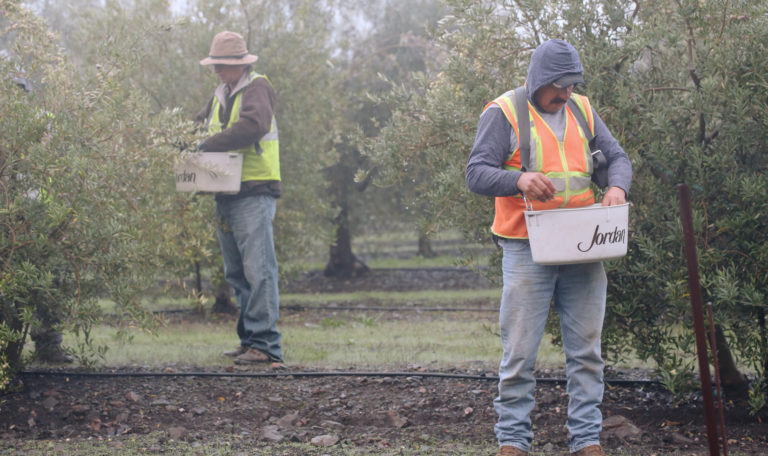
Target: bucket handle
[528, 203]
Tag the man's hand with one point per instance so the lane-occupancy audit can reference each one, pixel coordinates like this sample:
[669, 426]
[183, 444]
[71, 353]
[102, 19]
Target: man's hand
[536, 186]
[614, 196]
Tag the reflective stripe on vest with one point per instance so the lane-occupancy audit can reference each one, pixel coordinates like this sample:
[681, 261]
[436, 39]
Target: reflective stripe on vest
[258, 164]
[568, 164]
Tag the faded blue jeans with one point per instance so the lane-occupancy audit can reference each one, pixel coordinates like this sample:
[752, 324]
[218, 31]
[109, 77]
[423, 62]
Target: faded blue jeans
[250, 266]
[579, 293]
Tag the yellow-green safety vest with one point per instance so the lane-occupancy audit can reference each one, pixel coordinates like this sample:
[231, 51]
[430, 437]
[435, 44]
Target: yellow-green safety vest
[262, 166]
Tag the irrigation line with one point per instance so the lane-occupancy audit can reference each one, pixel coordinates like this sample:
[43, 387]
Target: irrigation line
[547, 380]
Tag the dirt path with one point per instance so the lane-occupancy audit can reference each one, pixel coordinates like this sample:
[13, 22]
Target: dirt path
[372, 412]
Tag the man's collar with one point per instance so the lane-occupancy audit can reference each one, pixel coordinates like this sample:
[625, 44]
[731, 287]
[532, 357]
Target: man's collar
[244, 80]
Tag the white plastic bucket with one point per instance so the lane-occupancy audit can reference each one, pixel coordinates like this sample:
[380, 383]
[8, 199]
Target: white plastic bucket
[580, 235]
[210, 172]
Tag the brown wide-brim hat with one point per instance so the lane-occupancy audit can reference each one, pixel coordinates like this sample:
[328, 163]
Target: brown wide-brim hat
[228, 48]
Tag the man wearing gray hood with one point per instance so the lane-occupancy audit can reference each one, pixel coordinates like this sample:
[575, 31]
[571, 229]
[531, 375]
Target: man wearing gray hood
[556, 174]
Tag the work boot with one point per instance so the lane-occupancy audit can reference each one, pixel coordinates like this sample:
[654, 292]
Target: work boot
[236, 352]
[511, 451]
[252, 356]
[592, 450]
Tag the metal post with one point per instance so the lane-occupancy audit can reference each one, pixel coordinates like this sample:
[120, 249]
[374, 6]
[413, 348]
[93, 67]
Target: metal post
[718, 385]
[697, 304]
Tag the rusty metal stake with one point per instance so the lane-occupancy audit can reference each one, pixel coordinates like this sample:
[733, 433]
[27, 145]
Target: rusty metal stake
[718, 385]
[697, 304]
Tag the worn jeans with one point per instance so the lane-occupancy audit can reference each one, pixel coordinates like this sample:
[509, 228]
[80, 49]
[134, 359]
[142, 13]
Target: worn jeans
[579, 293]
[250, 266]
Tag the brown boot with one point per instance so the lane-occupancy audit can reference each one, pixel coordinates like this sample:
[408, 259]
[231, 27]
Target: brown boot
[236, 352]
[592, 450]
[511, 451]
[252, 356]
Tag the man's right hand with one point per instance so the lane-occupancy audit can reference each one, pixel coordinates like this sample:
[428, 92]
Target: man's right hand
[536, 186]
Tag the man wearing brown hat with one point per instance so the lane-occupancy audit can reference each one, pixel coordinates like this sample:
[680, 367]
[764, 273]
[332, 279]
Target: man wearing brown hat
[240, 117]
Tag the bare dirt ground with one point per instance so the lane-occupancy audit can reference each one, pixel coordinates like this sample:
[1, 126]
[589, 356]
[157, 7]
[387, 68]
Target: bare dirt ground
[259, 407]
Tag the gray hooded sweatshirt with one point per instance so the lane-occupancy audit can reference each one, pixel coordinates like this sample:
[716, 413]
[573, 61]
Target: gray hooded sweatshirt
[496, 139]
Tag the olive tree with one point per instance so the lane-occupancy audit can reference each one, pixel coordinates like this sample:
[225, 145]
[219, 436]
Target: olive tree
[691, 95]
[388, 47]
[86, 205]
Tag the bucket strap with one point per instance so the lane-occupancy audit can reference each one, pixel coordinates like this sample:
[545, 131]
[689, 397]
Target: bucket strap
[523, 126]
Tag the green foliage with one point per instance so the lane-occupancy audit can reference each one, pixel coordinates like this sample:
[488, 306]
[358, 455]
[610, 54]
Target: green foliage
[681, 85]
[332, 322]
[700, 123]
[85, 199]
[758, 394]
[425, 144]
[677, 377]
[367, 321]
[164, 65]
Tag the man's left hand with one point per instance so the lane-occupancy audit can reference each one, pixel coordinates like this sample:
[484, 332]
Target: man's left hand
[614, 196]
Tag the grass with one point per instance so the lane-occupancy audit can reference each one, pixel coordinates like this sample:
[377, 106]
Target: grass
[440, 261]
[154, 304]
[327, 340]
[395, 299]
[350, 341]
[324, 337]
[375, 259]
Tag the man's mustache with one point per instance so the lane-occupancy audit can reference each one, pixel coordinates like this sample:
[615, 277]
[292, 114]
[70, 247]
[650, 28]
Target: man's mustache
[559, 100]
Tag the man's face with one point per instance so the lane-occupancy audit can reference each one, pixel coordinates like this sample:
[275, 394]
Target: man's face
[229, 74]
[551, 99]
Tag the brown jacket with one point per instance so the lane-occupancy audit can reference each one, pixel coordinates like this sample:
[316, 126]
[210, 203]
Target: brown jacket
[256, 111]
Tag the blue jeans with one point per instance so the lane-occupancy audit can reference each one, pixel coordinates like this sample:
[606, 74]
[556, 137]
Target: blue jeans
[579, 293]
[250, 266]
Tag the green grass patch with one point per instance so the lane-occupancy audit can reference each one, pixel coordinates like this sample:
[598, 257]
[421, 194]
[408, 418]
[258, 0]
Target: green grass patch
[351, 340]
[324, 337]
[453, 298]
[162, 303]
[404, 236]
[325, 340]
[377, 260]
[431, 298]
[440, 261]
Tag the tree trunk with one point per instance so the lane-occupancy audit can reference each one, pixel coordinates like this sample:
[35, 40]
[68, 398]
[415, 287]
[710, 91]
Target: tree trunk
[341, 178]
[342, 262]
[735, 386]
[425, 247]
[223, 293]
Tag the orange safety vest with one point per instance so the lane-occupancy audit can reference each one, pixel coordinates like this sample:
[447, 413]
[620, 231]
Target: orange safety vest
[568, 164]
